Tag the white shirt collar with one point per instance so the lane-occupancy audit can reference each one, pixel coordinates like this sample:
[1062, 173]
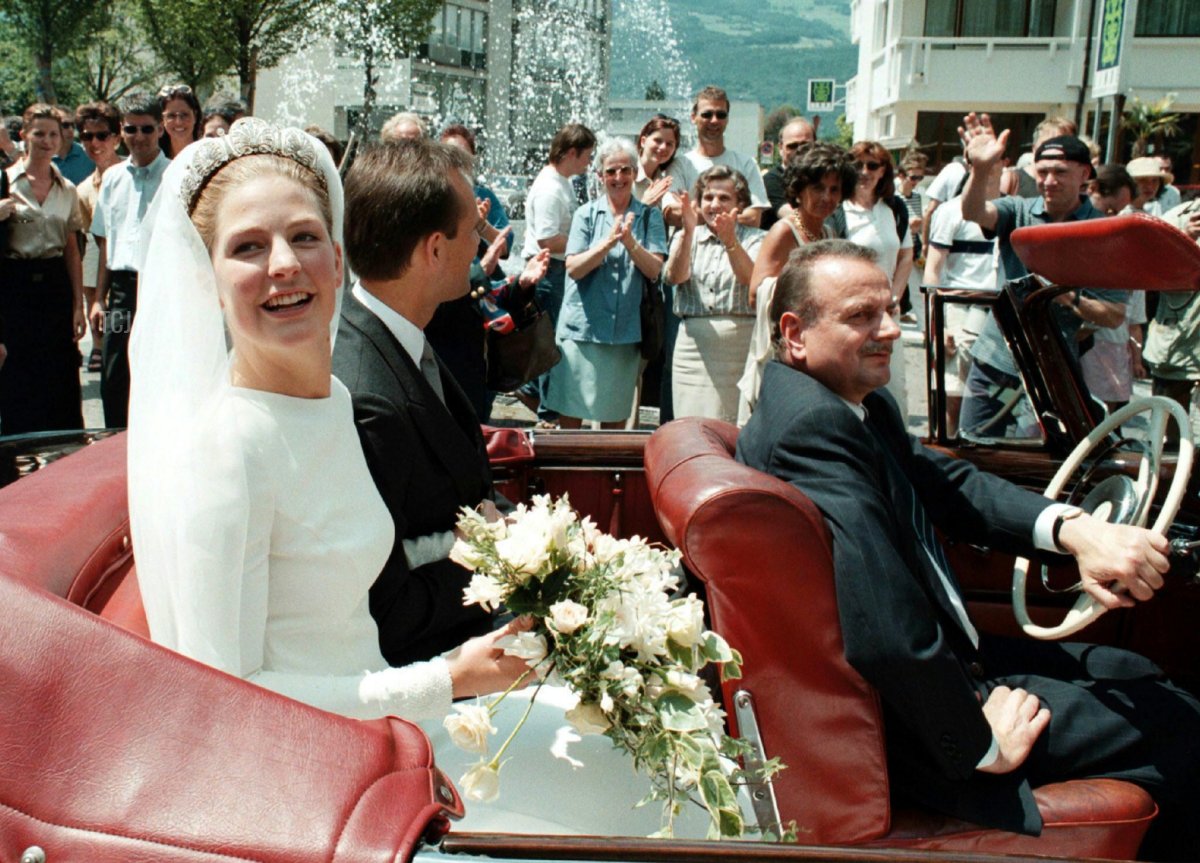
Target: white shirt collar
[408, 334]
[859, 409]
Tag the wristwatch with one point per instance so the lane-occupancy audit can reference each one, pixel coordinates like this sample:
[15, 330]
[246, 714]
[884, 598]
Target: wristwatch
[1064, 516]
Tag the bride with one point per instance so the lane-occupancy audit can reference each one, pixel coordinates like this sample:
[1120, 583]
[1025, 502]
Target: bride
[257, 528]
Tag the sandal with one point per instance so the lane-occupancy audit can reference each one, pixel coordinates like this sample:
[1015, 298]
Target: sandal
[94, 361]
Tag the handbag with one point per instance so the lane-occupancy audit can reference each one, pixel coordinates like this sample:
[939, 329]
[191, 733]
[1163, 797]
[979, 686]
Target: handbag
[652, 314]
[517, 357]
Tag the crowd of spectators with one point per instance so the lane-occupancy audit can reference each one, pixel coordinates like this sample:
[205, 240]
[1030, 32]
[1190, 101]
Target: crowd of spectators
[704, 230]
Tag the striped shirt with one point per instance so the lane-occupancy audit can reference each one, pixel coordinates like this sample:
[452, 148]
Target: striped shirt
[713, 290]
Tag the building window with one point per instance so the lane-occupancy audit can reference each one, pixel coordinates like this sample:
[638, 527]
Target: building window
[1168, 18]
[987, 18]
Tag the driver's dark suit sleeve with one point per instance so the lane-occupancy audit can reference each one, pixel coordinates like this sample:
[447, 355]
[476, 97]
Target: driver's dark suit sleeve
[895, 635]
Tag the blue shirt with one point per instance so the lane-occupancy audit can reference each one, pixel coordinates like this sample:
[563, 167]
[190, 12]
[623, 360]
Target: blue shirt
[76, 166]
[496, 216]
[605, 305]
[125, 196]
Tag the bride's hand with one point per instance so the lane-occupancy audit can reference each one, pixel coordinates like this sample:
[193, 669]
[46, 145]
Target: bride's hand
[480, 668]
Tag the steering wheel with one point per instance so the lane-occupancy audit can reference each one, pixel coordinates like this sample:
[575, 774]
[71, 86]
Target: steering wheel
[1160, 408]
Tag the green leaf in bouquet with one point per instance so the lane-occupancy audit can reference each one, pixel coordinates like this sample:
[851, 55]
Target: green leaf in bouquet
[732, 823]
[680, 713]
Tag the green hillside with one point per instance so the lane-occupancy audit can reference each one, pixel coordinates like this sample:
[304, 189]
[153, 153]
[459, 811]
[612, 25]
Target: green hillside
[758, 50]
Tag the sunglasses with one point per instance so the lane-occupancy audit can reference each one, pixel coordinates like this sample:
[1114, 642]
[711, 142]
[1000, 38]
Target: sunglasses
[870, 166]
[68, 124]
[612, 172]
[708, 115]
[916, 178]
[131, 129]
[99, 136]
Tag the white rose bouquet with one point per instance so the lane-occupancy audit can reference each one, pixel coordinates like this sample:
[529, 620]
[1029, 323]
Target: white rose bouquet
[605, 624]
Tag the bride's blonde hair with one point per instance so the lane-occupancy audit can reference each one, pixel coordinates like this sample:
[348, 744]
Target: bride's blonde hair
[244, 170]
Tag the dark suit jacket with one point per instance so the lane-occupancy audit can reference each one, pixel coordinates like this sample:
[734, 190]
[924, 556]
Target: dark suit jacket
[899, 630]
[427, 460]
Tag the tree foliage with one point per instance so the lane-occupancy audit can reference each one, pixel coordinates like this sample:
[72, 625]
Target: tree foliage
[1150, 120]
[190, 39]
[265, 32]
[777, 119]
[655, 92]
[48, 30]
[115, 61]
[376, 33]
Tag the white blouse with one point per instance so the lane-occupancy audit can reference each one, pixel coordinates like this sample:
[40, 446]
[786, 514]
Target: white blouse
[286, 535]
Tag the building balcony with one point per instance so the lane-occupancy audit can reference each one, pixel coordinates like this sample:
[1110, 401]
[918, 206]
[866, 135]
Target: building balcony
[985, 71]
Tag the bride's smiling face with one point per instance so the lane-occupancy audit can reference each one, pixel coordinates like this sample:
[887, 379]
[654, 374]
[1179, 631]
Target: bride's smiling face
[277, 269]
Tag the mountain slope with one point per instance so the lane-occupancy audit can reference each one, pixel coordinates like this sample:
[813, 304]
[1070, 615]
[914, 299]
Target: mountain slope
[765, 51]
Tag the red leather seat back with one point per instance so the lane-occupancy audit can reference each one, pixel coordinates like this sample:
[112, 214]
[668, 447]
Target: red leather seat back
[1134, 252]
[65, 528]
[114, 749]
[763, 551]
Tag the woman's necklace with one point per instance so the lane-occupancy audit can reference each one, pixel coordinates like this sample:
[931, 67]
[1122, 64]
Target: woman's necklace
[798, 221]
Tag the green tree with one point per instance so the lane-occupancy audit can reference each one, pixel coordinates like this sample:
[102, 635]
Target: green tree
[49, 30]
[777, 119]
[655, 92]
[376, 33]
[191, 39]
[265, 32]
[845, 132]
[1150, 120]
[116, 60]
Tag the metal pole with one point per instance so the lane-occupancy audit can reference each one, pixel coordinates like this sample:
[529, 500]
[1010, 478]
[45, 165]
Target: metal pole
[1096, 123]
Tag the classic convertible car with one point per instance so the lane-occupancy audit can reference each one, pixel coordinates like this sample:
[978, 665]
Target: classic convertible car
[113, 748]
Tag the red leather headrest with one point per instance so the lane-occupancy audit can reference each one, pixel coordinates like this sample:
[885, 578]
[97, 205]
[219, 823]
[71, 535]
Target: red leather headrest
[1134, 252]
[507, 445]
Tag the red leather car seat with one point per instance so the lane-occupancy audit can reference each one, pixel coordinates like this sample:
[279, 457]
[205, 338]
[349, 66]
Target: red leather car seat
[115, 749]
[763, 551]
[65, 528]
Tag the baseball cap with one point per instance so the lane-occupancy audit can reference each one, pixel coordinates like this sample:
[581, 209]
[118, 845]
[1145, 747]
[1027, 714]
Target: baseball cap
[1066, 148]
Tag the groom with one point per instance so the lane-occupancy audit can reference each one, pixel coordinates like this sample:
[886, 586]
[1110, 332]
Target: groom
[410, 239]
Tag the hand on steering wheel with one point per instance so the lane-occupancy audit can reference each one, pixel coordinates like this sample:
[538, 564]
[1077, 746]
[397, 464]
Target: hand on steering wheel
[1098, 571]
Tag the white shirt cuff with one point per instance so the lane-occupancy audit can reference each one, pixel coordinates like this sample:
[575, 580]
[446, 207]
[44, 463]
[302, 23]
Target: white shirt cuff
[1043, 528]
[429, 548]
[989, 757]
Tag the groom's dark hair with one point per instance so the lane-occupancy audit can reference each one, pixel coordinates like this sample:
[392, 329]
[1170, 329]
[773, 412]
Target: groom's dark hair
[397, 193]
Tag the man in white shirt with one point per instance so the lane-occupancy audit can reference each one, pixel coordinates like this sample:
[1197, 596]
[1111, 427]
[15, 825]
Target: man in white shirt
[549, 207]
[710, 115]
[126, 191]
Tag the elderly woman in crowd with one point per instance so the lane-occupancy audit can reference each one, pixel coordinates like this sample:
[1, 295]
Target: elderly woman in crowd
[181, 118]
[41, 286]
[710, 264]
[877, 219]
[615, 249]
[816, 179]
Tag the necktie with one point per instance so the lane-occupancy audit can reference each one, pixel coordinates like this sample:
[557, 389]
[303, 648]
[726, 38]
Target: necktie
[927, 538]
[429, 368]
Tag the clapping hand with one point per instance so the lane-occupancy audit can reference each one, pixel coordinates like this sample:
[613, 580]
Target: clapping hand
[690, 215]
[656, 191]
[484, 207]
[622, 232]
[983, 146]
[535, 269]
[495, 251]
[724, 225]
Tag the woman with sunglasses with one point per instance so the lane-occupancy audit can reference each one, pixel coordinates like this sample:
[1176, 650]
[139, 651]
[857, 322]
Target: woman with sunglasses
[41, 296]
[877, 219]
[181, 118]
[99, 126]
[616, 246]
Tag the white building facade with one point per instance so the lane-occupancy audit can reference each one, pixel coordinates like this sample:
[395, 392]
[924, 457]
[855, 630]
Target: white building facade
[922, 64]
